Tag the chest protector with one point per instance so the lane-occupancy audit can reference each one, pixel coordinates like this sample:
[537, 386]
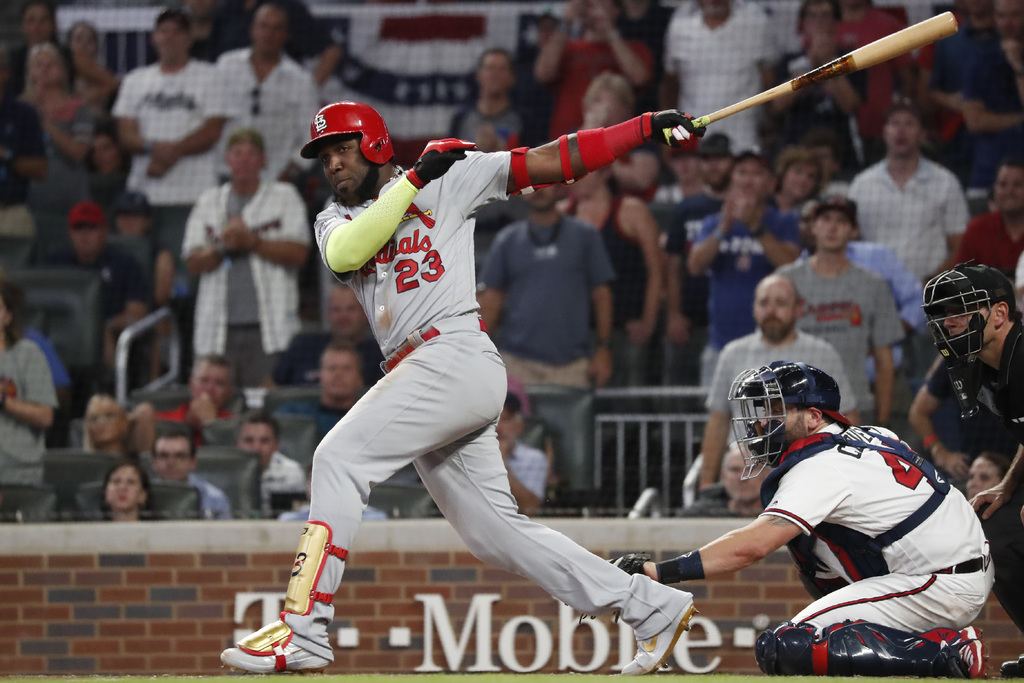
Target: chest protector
[860, 554]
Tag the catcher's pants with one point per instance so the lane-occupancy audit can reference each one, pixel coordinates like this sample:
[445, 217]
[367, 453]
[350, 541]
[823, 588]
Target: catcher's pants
[438, 409]
[912, 603]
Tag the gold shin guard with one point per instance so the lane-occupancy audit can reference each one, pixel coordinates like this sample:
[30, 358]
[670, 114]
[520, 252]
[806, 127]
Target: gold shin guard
[314, 548]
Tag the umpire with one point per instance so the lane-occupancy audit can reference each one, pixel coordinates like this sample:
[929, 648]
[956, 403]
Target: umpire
[973, 316]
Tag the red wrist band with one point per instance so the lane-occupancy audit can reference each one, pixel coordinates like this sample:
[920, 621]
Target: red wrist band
[929, 440]
[599, 147]
[413, 178]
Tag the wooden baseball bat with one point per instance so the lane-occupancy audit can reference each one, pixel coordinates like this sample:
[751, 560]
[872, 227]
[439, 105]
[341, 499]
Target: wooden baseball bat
[883, 49]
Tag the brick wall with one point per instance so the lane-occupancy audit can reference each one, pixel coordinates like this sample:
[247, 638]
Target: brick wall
[161, 598]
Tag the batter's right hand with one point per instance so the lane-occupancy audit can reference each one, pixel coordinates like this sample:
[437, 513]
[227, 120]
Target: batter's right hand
[437, 158]
[674, 128]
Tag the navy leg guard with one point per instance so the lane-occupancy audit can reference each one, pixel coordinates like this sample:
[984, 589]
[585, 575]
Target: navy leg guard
[858, 649]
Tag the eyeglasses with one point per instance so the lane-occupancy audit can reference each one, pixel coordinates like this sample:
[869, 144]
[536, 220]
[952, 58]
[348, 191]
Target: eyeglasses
[254, 107]
[85, 226]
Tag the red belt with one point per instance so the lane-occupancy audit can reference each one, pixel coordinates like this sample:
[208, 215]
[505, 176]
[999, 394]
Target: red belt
[414, 341]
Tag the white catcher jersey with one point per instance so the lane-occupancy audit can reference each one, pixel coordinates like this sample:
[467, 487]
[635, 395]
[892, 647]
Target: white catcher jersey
[871, 493]
[427, 271]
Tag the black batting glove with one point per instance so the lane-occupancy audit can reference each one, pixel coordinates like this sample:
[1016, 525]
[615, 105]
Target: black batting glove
[437, 158]
[674, 128]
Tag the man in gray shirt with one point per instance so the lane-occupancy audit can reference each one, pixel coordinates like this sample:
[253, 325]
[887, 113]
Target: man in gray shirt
[541, 278]
[777, 307]
[848, 306]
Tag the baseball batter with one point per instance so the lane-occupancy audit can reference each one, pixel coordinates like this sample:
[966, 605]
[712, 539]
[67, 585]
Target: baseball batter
[404, 242]
[895, 556]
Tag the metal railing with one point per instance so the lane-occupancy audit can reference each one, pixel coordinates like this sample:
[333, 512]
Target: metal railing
[650, 455]
[130, 335]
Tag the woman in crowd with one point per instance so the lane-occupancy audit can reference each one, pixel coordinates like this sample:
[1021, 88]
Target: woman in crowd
[630, 235]
[798, 173]
[93, 82]
[986, 471]
[27, 396]
[109, 428]
[126, 493]
[38, 26]
[68, 124]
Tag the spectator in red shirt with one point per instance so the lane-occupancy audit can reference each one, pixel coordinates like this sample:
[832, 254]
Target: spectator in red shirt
[211, 386]
[571, 64]
[997, 238]
[863, 23]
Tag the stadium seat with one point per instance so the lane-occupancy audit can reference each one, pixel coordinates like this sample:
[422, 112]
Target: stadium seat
[568, 413]
[275, 396]
[27, 503]
[403, 501]
[15, 253]
[298, 435]
[171, 397]
[64, 304]
[65, 469]
[171, 500]
[236, 473]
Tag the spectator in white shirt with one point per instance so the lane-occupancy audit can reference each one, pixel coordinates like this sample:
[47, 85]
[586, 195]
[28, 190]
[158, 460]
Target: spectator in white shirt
[260, 433]
[271, 91]
[170, 116]
[527, 466]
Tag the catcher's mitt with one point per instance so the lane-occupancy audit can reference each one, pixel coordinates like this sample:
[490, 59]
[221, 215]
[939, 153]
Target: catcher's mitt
[633, 563]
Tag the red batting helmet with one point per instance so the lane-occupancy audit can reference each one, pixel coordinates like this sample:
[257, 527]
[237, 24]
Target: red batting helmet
[343, 118]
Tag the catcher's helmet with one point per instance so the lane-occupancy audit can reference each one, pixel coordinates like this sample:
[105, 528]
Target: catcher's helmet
[345, 118]
[763, 395]
[953, 303]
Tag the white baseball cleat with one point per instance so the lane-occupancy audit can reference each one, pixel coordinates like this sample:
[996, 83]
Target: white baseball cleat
[270, 650]
[651, 654]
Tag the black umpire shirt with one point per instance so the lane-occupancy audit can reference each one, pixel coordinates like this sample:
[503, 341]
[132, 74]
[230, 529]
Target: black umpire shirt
[1002, 390]
[1002, 393]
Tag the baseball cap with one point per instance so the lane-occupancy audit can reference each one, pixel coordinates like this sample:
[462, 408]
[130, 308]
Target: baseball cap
[757, 155]
[132, 202]
[513, 403]
[178, 16]
[715, 145]
[993, 281]
[839, 203]
[86, 213]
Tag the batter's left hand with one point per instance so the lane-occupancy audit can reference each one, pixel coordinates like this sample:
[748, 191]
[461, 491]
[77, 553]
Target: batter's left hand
[437, 158]
[674, 128]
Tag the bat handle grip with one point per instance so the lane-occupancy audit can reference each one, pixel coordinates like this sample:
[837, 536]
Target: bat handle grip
[701, 122]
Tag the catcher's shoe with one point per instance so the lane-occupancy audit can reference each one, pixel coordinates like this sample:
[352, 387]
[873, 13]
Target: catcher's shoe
[972, 652]
[651, 654]
[270, 650]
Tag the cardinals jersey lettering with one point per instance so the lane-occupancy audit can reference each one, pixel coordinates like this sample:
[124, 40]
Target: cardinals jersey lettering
[426, 272]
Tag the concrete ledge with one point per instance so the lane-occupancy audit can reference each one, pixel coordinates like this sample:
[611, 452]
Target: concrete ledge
[399, 535]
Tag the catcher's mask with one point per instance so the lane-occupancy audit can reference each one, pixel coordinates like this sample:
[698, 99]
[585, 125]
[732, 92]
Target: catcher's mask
[958, 303]
[763, 394]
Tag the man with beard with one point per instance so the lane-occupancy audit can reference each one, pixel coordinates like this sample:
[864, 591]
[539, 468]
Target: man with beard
[403, 240]
[777, 306]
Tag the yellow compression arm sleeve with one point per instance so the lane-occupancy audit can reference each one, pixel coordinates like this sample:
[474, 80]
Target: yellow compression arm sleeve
[352, 244]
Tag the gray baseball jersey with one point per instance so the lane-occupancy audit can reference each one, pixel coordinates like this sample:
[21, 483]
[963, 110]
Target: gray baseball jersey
[410, 283]
[438, 408]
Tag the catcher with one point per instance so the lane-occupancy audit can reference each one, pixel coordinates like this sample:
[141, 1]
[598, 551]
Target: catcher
[868, 523]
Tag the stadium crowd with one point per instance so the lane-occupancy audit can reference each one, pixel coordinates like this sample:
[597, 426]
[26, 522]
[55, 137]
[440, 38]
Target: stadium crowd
[811, 223]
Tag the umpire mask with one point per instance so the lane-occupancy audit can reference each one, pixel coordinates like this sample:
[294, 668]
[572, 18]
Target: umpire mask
[957, 312]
